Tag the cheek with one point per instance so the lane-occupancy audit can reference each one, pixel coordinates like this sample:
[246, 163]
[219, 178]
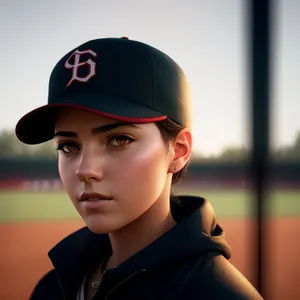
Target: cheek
[143, 168]
[63, 171]
[67, 173]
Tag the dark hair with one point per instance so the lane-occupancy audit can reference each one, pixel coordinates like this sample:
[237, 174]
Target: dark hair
[169, 130]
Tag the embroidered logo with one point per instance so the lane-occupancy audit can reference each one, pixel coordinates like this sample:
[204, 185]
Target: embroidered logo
[77, 64]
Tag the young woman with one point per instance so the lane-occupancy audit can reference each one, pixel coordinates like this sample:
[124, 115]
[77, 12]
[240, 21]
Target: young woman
[118, 111]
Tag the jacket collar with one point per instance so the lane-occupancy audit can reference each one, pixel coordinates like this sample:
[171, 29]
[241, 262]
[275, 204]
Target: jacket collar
[73, 256]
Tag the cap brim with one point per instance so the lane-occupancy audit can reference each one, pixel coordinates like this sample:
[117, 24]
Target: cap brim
[38, 125]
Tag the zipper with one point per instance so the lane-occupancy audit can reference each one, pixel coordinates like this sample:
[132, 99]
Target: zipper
[123, 281]
[61, 287]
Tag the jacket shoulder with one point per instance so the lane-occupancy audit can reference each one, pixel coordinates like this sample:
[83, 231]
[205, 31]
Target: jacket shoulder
[47, 288]
[229, 279]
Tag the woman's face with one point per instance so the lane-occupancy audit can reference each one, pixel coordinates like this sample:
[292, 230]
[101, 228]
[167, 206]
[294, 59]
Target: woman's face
[113, 174]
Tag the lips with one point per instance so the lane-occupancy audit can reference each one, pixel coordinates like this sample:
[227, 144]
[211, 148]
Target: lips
[93, 197]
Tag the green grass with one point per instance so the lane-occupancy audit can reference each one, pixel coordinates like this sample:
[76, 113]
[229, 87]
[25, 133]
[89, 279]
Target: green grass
[39, 206]
[35, 206]
[241, 203]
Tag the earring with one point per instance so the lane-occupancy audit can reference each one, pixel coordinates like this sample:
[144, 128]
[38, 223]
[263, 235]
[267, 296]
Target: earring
[174, 168]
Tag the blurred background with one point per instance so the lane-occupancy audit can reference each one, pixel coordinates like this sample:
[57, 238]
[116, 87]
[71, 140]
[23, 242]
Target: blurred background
[209, 40]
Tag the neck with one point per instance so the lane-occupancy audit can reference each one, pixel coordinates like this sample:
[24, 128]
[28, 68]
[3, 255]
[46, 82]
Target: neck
[142, 232]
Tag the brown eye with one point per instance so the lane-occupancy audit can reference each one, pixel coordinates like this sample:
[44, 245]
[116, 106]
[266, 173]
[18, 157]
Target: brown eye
[120, 140]
[67, 147]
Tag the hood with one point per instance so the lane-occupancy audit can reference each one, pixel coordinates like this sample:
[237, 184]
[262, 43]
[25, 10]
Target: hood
[183, 206]
[196, 233]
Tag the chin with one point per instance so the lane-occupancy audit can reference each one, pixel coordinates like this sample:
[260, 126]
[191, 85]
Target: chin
[101, 227]
[98, 230]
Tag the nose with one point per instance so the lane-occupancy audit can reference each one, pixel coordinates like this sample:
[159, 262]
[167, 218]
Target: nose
[90, 168]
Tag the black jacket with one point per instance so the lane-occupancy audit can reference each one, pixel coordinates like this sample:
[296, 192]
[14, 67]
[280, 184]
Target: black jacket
[190, 261]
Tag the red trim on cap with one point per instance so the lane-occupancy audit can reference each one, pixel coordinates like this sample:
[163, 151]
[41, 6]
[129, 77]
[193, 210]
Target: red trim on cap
[112, 116]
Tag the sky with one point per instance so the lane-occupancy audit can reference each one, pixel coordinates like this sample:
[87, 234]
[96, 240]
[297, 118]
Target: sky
[207, 38]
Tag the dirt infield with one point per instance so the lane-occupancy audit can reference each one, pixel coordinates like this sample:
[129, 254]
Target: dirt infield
[24, 247]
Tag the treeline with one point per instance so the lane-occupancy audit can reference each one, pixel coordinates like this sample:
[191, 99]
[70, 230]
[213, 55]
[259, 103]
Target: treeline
[11, 147]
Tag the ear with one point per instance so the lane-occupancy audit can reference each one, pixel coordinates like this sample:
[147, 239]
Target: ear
[182, 149]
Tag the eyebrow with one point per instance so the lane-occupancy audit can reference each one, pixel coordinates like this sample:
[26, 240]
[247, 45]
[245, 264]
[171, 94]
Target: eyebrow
[100, 129]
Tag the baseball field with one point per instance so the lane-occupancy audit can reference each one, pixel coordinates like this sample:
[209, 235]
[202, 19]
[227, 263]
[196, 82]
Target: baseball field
[33, 222]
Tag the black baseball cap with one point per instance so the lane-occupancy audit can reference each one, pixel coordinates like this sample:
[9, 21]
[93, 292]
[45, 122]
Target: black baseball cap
[118, 78]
